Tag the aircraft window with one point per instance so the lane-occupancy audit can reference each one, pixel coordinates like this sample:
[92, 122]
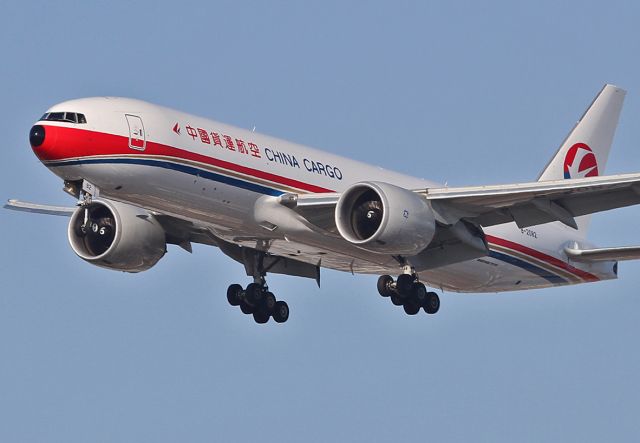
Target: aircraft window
[56, 116]
[70, 117]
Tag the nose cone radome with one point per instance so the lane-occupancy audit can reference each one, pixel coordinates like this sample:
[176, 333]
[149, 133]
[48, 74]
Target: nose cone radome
[36, 136]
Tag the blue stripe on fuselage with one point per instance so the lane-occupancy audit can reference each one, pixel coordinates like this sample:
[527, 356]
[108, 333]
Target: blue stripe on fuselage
[250, 186]
[552, 278]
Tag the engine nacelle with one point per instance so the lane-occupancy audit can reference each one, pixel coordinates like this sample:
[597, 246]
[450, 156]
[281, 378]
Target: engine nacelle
[386, 219]
[117, 236]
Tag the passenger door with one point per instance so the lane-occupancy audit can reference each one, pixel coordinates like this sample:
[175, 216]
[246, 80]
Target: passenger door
[137, 137]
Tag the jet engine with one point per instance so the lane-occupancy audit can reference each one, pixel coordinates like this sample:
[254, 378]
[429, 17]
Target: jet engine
[384, 218]
[116, 236]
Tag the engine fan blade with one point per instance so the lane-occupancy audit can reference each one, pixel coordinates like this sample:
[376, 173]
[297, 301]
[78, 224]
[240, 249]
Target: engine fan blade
[367, 217]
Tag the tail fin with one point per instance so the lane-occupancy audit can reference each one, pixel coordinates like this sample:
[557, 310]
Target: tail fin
[584, 152]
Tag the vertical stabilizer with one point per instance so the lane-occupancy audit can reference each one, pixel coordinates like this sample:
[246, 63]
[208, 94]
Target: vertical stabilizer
[585, 150]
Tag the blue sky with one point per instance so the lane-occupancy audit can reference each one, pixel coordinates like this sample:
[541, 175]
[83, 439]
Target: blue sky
[458, 92]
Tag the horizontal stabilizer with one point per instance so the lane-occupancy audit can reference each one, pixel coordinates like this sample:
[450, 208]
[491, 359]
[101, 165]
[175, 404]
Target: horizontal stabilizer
[604, 254]
[17, 205]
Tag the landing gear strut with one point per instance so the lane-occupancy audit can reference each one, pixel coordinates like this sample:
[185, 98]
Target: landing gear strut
[409, 293]
[259, 302]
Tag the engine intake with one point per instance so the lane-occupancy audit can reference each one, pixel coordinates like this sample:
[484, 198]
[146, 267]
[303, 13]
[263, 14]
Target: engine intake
[117, 236]
[385, 218]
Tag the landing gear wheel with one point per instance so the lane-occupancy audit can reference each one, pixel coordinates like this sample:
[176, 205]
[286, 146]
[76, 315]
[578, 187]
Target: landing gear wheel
[419, 292]
[432, 303]
[383, 285]
[397, 300]
[254, 293]
[245, 308]
[261, 317]
[233, 294]
[280, 312]
[404, 284]
[411, 306]
[268, 302]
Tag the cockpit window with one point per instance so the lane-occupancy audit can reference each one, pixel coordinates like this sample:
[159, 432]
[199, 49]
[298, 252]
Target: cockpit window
[69, 117]
[56, 116]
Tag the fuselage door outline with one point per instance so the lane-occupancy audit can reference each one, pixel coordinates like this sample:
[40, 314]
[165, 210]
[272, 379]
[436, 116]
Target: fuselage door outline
[137, 136]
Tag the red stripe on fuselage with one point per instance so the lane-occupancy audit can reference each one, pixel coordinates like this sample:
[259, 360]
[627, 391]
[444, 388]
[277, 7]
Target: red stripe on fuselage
[541, 256]
[63, 143]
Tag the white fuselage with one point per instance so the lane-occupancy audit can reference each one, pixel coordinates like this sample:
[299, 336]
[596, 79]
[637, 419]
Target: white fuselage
[213, 174]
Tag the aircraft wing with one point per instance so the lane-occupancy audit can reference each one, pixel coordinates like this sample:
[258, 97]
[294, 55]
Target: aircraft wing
[18, 205]
[526, 204]
[179, 232]
[184, 232]
[529, 204]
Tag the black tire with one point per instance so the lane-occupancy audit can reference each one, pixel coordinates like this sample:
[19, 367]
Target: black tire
[261, 317]
[404, 284]
[383, 285]
[432, 303]
[268, 302]
[280, 312]
[419, 292]
[411, 306]
[397, 300]
[254, 293]
[233, 294]
[245, 308]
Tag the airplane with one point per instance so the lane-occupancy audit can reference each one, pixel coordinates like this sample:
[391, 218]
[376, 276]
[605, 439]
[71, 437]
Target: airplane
[146, 176]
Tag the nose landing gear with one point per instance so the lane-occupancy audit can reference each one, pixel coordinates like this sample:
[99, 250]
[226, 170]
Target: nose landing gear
[409, 293]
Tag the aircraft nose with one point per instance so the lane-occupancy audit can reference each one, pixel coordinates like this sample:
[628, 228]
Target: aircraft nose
[36, 136]
[43, 141]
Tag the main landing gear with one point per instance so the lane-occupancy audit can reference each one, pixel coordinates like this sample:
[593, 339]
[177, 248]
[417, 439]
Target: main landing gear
[258, 301]
[409, 293]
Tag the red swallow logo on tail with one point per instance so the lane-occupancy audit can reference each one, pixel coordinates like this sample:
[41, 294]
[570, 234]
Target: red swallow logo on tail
[580, 162]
